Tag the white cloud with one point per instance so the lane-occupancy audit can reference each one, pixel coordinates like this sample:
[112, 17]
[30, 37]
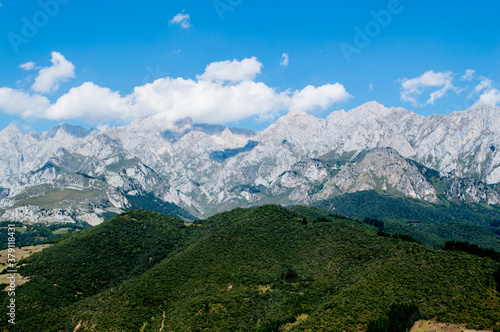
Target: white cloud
[18, 102]
[490, 97]
[370, 87]
[284, 60]
[92, 104]
[171, 99]
[49, 78]
[215, 97]
[323, 97]
[411, 89]
[469, 75]
[182, 20]
[232, 71]
[28, 65]
[483, 85]
[205, 101]
[489, 94]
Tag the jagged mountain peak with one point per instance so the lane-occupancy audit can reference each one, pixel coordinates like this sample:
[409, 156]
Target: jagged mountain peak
[292, 114]
[364, 112]
[294, 119]
[11, 130]
[183, 124]
[13, 136]
[156, 124]
[76, 131]
[300, 129]
[473, 121]
[374, 110]
[371, 106]
[203, 164]
[144, 123]
[229, 139]
[480, 108]
[480, 112]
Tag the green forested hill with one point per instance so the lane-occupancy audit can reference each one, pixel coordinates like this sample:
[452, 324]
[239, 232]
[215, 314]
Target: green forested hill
[262, 269]
[84, 263]
[151, 203]
[432, 224]
[38, 233]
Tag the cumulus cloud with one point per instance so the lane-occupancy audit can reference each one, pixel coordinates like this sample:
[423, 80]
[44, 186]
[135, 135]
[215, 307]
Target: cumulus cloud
[232, 71]
[490, 97]
[205, 101]
[216, 96]
[311, 98]
[469, 75]
[171, 99]
[284, 60]
[483, 85]
[489, 94]
[28, 65]
[90, 103]
[25, 105]
[411, 89]
[49, 78]
[181, 19]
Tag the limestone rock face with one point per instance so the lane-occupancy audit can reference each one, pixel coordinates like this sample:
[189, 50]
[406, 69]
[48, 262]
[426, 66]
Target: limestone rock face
[209, 168]
[386, 170]
[474, 191]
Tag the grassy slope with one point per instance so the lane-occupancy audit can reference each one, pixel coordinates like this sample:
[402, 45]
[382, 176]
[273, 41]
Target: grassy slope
[228, 276]
[60, 198]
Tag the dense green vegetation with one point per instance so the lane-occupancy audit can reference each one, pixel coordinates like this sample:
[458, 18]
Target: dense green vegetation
[472, 249]
[27, 235]
[374, 222]
[496, 275]
[46, 233]
[401, 317]
[262, 269]
[85, 263]
[429, 223]
[151, 203]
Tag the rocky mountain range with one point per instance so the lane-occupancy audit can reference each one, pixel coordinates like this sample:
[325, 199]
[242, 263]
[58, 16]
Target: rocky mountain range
[73, 174]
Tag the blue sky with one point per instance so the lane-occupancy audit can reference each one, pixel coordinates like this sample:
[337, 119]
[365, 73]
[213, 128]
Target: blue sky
[222, 61]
